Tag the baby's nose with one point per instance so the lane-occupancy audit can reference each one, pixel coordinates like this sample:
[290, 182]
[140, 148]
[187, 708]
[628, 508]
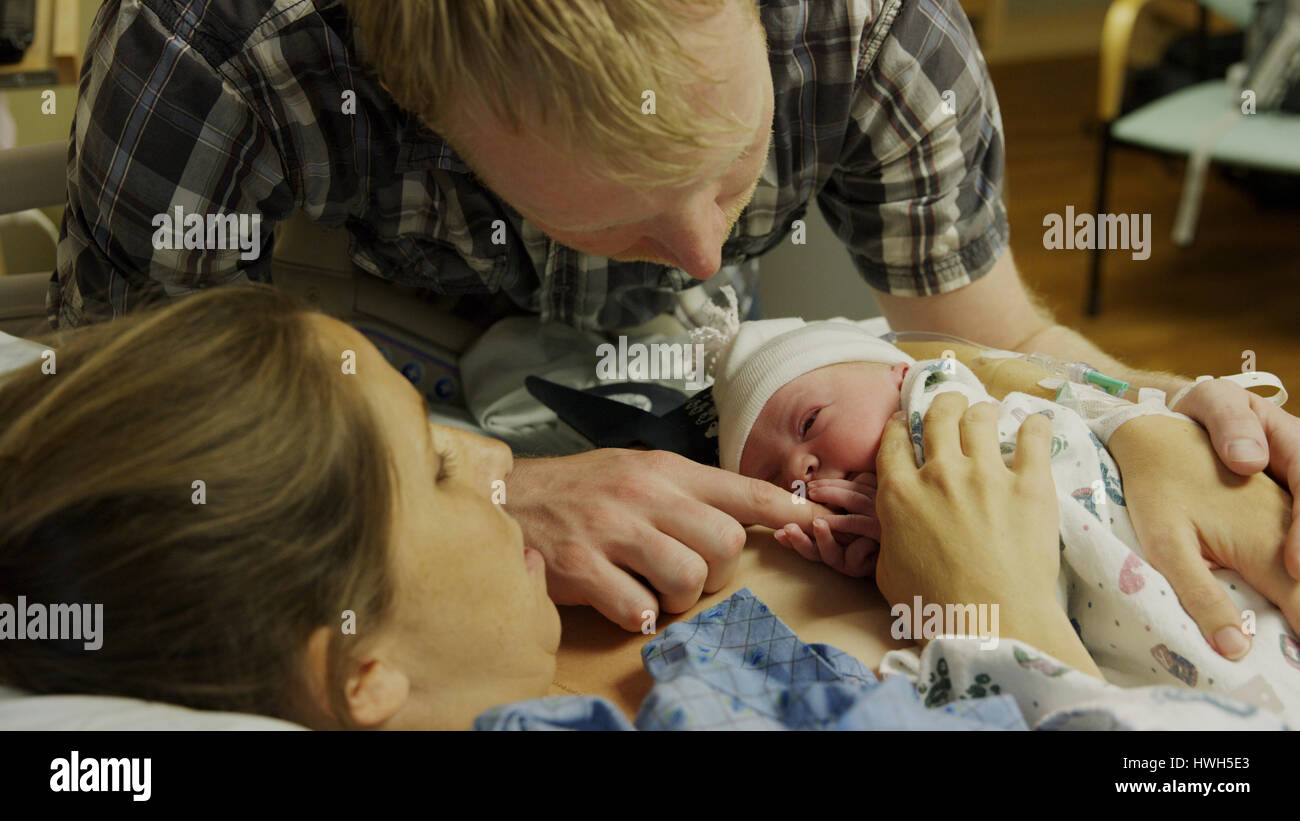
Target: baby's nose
[807, 470]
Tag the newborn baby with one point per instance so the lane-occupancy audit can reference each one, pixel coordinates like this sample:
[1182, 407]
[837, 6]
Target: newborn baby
[804, 406]
[808, 403]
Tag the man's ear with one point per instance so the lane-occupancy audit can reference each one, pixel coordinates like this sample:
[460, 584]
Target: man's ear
[374, 690]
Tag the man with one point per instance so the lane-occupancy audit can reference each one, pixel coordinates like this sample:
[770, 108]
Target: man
[627, 146]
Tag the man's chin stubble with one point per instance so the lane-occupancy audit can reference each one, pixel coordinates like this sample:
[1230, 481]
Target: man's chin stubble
[637, 258]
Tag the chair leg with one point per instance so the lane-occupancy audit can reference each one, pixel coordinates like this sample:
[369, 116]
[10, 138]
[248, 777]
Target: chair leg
[1203, 45]
[1103, 168]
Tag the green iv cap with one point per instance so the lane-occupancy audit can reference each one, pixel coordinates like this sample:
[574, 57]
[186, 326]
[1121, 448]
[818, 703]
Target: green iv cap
[1112, 386]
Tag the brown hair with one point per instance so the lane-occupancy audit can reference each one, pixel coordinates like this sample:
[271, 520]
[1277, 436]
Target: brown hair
[582, 65]
[204, 605]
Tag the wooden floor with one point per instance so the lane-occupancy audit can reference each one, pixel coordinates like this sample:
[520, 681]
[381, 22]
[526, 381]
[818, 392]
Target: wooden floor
[1187, 310]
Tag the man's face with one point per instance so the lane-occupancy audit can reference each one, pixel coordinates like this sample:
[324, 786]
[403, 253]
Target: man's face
[683, 226]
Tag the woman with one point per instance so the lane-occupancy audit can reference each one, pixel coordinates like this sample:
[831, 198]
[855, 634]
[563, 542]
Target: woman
[210, 474]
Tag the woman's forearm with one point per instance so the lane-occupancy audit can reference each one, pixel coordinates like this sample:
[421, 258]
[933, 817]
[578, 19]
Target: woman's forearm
[1047, 628]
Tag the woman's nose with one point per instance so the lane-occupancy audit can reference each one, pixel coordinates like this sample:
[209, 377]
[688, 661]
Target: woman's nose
[498, 461]
[491, 458]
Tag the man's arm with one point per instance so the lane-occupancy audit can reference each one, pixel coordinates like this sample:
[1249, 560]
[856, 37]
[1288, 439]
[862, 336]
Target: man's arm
[998, 311]
[194, 143]
[1249, 433]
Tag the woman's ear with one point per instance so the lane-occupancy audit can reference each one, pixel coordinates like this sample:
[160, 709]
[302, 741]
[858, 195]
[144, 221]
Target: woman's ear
[374, 690]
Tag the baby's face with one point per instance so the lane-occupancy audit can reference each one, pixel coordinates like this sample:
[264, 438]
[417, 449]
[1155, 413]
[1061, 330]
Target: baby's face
[827, 424]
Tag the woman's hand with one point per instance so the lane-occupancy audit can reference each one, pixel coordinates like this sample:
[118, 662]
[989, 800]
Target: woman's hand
[1192, 514]
[965, 529]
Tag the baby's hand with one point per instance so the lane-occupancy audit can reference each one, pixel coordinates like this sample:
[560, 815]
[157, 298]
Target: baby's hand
[848, 542]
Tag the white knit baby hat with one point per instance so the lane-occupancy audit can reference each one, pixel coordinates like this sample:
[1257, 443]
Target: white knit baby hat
[765, 355]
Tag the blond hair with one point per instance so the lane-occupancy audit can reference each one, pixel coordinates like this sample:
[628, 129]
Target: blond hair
[204, 605]
[582, 66]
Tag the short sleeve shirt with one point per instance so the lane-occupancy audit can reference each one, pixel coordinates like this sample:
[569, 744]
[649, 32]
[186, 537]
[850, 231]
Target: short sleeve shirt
[884, 114]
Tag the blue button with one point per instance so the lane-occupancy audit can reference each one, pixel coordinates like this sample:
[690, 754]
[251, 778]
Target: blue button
[444, 387]
[413, 372]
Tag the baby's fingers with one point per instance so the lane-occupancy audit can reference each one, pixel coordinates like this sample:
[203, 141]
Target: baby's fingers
[855, 523]
[832, 552]
[862, 481]
[792, 536]
[849, 496]
[860, 557]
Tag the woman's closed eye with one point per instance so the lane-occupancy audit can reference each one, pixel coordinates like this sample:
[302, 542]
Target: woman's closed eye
[446, 462]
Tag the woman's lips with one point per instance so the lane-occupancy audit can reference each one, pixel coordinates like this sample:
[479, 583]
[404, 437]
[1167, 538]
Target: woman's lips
[533, 559]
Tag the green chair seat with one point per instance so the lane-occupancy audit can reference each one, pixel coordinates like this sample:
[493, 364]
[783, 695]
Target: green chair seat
[1176, 122]
[1238, 11]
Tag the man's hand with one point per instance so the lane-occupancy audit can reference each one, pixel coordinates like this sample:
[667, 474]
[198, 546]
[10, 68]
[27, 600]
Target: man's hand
[1192, 515]
[1249, 434]
[848, 541]
[601, 516]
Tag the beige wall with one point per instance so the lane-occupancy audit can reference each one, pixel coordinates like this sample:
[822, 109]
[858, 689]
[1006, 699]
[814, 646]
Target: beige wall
[815, 280]
[35, 127]
[26, 251]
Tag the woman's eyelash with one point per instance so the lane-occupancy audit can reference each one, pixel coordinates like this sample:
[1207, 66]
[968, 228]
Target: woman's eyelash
[446, 463]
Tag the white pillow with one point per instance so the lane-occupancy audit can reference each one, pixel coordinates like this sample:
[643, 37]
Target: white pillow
[16, 352]
[20, 711]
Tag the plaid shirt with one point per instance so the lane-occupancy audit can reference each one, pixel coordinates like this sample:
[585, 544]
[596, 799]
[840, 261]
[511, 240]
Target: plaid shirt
[238, 107]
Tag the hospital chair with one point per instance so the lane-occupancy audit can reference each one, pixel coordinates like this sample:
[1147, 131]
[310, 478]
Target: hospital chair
[1176, 123]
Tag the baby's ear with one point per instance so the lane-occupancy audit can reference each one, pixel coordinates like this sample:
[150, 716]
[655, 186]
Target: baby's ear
[898, 372]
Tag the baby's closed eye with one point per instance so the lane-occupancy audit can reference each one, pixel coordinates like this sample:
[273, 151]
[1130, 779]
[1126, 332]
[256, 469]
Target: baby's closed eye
[807, 423]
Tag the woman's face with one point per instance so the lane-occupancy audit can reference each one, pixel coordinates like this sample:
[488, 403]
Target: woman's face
[472, 626]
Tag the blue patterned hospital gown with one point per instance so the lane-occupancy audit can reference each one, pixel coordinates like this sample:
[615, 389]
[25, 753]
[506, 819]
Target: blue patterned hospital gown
[737, 666]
